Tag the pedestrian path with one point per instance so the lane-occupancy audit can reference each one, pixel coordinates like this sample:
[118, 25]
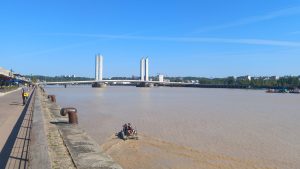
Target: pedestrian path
[15, 125]
[10, 110]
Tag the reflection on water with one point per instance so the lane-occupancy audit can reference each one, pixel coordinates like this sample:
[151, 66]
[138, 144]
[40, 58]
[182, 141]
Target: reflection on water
[247, 124]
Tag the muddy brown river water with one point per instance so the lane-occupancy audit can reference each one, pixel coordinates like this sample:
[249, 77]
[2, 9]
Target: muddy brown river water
[191, 127]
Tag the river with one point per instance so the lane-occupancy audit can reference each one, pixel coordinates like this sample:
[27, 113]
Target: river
[246, 126]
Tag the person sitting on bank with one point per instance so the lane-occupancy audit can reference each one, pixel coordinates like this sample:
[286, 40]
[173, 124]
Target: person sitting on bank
[129, 129]
[125, 129]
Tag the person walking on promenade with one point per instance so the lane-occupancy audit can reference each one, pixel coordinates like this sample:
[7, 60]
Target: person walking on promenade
[25, 94]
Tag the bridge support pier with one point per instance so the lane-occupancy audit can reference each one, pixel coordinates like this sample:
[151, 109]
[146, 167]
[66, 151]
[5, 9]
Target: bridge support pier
[98, 85]
[144, 84]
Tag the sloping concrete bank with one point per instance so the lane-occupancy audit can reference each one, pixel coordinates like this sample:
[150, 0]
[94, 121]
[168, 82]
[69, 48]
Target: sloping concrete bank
[66, 145]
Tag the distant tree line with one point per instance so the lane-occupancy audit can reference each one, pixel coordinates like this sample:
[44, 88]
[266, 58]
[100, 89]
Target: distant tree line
[41, 78]
[256, 82]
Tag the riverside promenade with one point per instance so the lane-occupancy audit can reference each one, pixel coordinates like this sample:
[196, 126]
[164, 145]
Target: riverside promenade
[15, 121]
[11, 109]
[36, 136]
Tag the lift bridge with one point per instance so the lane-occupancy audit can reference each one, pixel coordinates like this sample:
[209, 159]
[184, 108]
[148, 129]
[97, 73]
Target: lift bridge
[99, 82]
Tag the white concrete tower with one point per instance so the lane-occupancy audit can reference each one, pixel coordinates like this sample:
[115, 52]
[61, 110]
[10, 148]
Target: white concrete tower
[100, 67]
[96, 67]
[142, 69]
[147, 69]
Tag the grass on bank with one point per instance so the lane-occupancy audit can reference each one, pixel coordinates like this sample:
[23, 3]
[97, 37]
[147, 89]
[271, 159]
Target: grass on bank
[4, 89]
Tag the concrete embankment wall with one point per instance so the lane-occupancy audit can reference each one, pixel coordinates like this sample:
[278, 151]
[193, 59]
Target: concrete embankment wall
[58, 144]
[38, 156]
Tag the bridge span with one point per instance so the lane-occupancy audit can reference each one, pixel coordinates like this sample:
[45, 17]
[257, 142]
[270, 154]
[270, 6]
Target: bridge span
[113, 81]
[99, 82]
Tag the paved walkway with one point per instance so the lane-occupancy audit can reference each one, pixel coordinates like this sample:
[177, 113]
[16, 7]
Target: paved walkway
[10, 110]
[15, 124]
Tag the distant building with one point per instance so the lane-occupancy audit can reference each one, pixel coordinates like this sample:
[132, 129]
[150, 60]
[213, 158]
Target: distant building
[5, 72]
[274, 78]
[257, 78]
[161, 78]
[68, 76]
[19, 77]
[8, 77]
[244, 78]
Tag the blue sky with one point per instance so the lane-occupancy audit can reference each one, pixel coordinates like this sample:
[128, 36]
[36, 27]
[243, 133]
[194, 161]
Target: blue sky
[212, 38]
